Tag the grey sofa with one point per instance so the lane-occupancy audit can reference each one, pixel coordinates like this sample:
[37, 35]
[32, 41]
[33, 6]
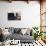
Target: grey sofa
[22, 38]
[17, 35]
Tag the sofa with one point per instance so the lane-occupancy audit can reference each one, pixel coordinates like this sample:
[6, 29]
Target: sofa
[17, 34]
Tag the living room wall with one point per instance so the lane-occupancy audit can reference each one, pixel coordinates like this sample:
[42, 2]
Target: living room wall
[30, 14]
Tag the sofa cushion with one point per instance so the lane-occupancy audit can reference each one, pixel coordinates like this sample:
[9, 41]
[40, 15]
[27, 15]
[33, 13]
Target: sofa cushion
[17, 30]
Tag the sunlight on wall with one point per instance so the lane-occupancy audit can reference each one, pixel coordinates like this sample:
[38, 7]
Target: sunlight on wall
[30, 14]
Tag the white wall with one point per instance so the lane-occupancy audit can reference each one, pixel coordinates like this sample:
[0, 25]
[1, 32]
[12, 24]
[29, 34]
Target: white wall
[30, 14]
